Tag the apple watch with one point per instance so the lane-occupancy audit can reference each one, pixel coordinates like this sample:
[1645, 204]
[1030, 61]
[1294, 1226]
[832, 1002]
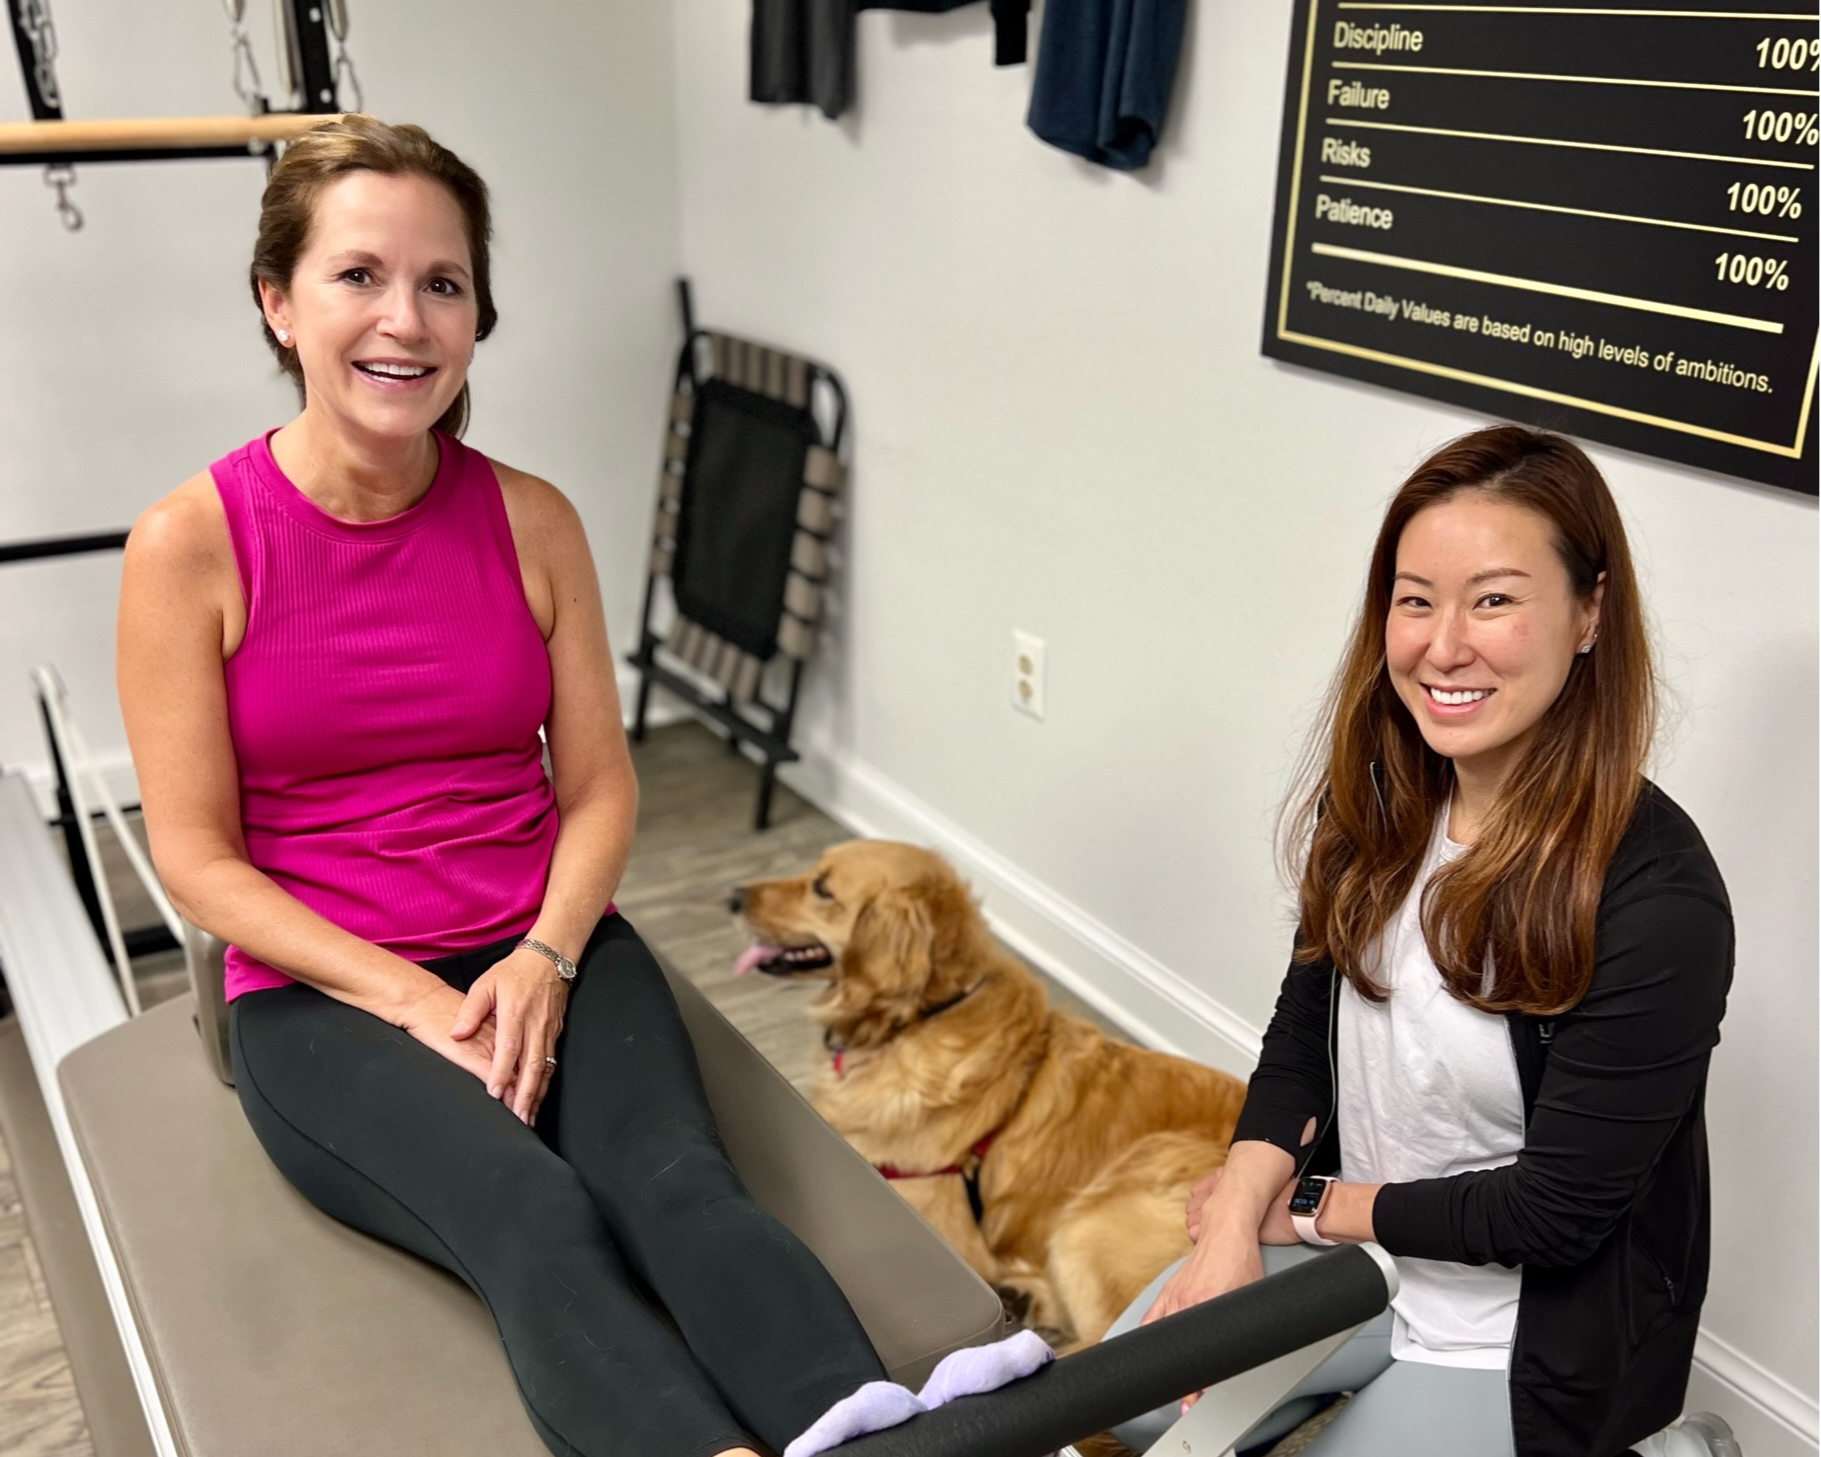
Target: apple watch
[1305, 1207]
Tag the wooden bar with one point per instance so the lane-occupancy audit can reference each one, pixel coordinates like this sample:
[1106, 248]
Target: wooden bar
[162, 133]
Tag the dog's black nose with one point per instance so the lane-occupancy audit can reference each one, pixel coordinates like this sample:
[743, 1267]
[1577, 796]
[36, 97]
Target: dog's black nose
[736, 899]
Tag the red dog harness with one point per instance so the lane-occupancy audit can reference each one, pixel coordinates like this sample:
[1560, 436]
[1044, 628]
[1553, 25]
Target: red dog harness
[969, 1170]
[976, 1154]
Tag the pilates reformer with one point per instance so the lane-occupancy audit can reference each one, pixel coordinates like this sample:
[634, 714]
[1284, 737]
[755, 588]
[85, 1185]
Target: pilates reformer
[316, 72]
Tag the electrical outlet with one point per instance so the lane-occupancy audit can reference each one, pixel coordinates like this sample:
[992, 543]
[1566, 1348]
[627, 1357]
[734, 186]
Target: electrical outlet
[1027, 673]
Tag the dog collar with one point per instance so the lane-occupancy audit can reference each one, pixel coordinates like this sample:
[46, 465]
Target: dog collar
[837, 1054]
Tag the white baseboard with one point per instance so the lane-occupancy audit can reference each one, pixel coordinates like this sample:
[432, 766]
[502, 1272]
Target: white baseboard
[1160, 1009]
[1768, 1415]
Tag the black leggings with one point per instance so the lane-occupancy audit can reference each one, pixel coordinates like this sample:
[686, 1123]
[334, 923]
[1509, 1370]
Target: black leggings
[622, 1193]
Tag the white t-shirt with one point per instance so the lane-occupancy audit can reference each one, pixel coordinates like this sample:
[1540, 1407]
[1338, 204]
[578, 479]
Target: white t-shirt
[1428, 1088]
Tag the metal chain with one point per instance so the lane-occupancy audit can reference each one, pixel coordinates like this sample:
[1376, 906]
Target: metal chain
[247, 83]
[287, 82]
[345, 75]
[35, 21]
[62, 177]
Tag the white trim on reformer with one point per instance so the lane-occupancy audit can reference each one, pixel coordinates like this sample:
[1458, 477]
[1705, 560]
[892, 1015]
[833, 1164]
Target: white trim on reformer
[79, 760]
[79, 764]
[56, 713]
[64, 996]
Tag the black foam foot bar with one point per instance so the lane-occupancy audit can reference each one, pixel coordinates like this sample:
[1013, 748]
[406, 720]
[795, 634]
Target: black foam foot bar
[1143, 1369]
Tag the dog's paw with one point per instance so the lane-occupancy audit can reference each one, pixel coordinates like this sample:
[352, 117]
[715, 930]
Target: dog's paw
[1016, 1303]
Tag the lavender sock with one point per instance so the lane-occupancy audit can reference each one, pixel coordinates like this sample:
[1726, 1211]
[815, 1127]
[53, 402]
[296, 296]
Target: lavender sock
[974, 1369]
[874, 1407]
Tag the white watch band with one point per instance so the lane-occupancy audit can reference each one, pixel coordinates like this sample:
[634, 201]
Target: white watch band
[1304, 1224]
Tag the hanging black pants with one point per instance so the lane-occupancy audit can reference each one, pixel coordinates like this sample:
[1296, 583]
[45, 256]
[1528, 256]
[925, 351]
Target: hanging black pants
[622, 1195]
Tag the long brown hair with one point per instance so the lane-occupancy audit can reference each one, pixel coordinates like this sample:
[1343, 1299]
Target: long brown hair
[357, 143]
[1510, 924]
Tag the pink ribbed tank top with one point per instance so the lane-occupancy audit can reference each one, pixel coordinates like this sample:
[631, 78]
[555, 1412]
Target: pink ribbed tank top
[385, 706]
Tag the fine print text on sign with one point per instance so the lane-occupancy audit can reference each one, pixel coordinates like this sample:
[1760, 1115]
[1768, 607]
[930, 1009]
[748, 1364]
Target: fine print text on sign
[1600, 219]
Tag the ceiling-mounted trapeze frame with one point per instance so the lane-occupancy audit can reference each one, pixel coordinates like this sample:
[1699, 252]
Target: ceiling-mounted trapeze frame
[49, 139]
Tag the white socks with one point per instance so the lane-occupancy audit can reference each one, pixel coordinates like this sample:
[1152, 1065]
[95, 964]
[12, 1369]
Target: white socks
[881, 1404]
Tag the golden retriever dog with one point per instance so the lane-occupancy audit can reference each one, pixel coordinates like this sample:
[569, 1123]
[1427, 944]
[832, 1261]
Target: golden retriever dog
[1055, 1160]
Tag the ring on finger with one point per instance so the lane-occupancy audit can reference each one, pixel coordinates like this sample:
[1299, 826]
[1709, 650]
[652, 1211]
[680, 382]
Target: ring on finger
[550, 1062]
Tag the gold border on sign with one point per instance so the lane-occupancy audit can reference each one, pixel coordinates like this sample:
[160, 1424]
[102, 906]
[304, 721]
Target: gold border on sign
[1445, 371]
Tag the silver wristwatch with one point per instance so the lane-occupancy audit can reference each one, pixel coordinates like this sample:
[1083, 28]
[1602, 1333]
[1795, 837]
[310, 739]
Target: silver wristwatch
[565, 968]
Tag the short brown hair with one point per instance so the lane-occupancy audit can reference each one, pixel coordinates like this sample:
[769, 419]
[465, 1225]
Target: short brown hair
[1524, 901]
[358, 143]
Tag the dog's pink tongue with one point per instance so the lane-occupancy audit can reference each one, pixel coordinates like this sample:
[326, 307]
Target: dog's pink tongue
[753, 955]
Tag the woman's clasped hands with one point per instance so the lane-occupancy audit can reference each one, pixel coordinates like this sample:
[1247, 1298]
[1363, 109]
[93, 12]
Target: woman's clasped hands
[504, 1031]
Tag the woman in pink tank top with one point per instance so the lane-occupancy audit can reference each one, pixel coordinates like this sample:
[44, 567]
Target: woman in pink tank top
[343, 650]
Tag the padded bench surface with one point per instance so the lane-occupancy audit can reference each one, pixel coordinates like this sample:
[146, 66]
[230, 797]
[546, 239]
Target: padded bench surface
[275, 1330]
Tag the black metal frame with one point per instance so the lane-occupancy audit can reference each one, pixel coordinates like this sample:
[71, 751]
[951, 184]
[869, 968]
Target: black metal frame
[772, 737]
[44, 107]
[307, 42]
[141, 941]
[265, 151]
[52, 546]
[306, 39]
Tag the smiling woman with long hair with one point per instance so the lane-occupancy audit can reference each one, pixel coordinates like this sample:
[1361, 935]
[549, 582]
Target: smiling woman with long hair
[1511, 962]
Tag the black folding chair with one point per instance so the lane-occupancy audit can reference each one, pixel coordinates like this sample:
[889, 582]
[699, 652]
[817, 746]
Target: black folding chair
[746, 508]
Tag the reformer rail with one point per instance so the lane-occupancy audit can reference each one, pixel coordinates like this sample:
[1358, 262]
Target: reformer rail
[1307, 1308]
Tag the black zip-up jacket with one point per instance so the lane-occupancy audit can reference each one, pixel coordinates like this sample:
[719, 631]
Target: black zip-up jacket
[1606, 1208]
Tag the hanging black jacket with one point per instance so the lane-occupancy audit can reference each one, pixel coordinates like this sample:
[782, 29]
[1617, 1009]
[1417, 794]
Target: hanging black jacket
[803, 51]
[1606, 1208]
[1011, 22]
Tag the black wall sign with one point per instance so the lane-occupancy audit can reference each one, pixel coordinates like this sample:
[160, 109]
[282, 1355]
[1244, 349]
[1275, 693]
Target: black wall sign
[1600, 219]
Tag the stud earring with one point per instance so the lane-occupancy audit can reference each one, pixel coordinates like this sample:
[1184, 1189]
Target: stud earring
[284, 336]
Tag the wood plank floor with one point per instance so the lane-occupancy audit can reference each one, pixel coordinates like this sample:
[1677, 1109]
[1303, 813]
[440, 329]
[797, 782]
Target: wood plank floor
[40, 1415]
[695, 842]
